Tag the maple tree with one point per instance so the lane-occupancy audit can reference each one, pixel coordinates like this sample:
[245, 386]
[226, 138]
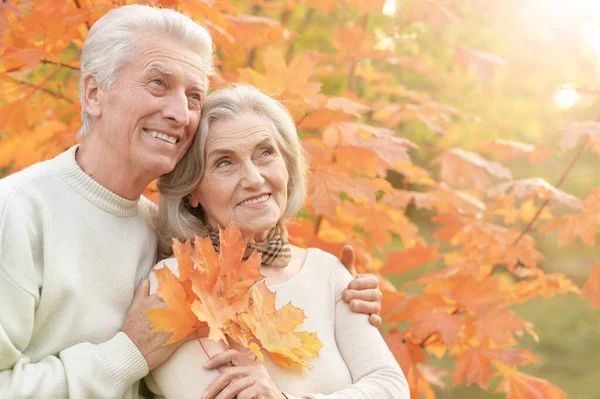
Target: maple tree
[390, 153]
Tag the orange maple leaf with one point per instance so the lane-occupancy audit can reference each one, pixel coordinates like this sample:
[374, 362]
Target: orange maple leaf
[448, 326]
[407, 353]
[220, 290]
[400, 262]
[522, 386]
[275, 330]
[221, 282]
[177, 317]
[472, 366]
[591, 289]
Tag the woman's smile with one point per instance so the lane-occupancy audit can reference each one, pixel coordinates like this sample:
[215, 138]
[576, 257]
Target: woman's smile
[256, 202]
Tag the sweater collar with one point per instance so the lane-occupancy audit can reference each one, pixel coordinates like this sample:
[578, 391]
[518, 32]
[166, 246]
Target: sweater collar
[93, 191]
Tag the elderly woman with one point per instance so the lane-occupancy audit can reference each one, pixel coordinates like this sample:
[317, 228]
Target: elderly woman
[246, 165]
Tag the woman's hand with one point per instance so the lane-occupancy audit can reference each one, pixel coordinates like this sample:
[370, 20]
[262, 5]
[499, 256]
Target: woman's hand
[363, 293]
[241, 378]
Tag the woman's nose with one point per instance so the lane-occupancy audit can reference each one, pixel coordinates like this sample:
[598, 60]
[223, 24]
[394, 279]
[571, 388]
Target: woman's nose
[252, 177]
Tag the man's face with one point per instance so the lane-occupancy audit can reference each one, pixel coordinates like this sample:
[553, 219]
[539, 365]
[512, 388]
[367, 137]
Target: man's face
[151, 114]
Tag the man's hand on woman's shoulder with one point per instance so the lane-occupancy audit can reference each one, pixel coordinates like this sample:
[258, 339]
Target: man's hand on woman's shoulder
[363, 294]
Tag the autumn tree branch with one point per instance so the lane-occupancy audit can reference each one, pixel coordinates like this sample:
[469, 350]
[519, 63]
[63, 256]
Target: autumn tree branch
[562, 179]
[46, 61]
[318, 224]
[305, 22]
[45, 90]
[78, 5]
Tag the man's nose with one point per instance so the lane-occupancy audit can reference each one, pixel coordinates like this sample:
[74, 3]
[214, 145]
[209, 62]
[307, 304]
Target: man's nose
[177, 109]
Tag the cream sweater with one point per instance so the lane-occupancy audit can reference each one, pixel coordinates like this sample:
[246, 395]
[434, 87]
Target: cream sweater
[71, 256]
[354, 363]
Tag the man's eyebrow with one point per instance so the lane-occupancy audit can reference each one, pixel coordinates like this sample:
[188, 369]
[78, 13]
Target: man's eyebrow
[159, 69]
[199, 88]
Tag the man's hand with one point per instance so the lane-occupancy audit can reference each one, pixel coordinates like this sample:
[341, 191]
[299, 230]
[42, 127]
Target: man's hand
[139, 329]
[363, 293]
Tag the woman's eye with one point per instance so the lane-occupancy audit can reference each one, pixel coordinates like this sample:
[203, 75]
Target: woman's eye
[267, 151]
[196, 97]
[222, 163]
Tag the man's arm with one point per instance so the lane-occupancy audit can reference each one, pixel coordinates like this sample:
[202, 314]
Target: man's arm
[363, 294]
[104, 370]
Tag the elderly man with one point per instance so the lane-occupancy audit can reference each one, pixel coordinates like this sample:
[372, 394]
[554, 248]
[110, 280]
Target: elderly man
[75, 233]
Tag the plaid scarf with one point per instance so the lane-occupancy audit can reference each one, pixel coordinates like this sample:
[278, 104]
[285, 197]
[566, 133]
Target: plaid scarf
[275, 248]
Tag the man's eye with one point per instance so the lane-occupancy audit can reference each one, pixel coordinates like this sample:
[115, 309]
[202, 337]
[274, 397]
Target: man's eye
[196, 97]
[158, 82]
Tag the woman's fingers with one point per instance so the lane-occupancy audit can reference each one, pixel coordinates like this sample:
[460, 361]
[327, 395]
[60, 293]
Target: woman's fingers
[233, 389]
[230, 357]
[228, 376]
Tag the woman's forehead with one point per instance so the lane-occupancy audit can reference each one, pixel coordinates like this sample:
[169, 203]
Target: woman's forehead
[240, 132]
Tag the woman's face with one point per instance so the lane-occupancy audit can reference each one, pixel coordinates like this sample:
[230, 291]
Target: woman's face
[245, 179]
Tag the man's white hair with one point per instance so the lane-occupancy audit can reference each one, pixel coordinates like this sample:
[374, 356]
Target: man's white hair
[109, 44]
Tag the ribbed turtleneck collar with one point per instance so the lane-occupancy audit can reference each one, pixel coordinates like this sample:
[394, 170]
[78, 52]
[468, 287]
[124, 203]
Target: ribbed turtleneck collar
[93, 191]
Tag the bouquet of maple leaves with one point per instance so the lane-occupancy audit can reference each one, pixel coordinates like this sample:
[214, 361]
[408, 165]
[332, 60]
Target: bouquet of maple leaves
[229, 294]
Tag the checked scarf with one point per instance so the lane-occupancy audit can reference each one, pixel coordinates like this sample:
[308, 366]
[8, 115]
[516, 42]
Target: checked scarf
[275, 248]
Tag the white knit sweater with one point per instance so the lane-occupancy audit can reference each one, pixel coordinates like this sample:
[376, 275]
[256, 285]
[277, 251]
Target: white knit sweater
[354, 363]
[71, 256]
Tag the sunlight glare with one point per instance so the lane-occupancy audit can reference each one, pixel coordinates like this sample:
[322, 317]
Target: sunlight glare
[389, 8]
[566, 97]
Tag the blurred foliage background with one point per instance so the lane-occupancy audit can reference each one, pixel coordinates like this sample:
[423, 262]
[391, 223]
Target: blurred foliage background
[471, 70]
[548, 76]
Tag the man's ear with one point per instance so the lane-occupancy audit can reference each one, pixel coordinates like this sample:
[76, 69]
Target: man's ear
[92, 94]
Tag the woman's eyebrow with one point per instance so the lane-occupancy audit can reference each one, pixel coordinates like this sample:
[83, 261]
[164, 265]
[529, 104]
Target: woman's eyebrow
[228, 151]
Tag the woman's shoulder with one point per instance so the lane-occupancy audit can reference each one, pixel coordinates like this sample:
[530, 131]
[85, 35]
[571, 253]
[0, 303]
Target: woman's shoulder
[170, 263]
[330, 265]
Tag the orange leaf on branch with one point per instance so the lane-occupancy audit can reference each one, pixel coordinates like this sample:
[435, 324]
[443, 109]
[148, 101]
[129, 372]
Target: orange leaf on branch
[575, 132]
[591, 289]
[471, 367]
[407, 353]
[419, 255]
[447, 326]
[456, 161]
[534, 187]
[511, 149]
[484, 64]
[522, 386]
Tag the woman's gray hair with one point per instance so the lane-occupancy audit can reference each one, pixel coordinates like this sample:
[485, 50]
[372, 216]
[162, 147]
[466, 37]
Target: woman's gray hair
[108, 45]
[176, 219]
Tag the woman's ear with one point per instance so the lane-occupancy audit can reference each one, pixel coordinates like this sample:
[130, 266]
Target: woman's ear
[92, 94]
[192, 200]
